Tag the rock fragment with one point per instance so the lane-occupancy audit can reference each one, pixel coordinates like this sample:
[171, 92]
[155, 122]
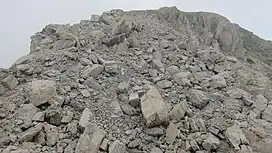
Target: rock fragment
[179, 110]
[198, 98]
[90, 140]
[92, 71]
[104, 145]
[116, 40]
[39, 116]
[31, 132]
[267, 114]
[2, 89]
[154, 108]
[164, 84]
[211, 143]
[134, 100]
[117, 147]
[156, 131]
[41, 91]
[10, 82]
[85, 118]
[123, 87]
[236, 136]
[260, 102]
[156, 150]
[26, 113]
[171, 133]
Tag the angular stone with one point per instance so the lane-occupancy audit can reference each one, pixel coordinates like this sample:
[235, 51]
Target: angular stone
[85, 118]
[92, 71]
[52, 134]
[171, 133]
[85, 93]
[156, 131]
[260, 102]
[116, 40]
[133, 42]
[10, 82]
[179, 110]
[104, 145]
[70, 148]
[173, 69]
[40, 138]
[20, 151]
[235, 136]
[218, 81]
[117, 147]
[198, 98]
[194, 145]
[112, 69]
[163, 44]
[72, 127]
[26, 113]
[164, 84]
[2, 89]
[156, 150]
[134, 100]
[134, 143]
[158, 65]
[95, 18]
[123, 87]
[211, 143]
[201, 125]
[85, 61]
[30, 133]
[116, 108]
[129, 110]
[267, 114]
[39, 117]
[154, 108]
[54, 116]
[122, 27]
[121, 48]
[41, 91]
[68, 117]
[22, 67]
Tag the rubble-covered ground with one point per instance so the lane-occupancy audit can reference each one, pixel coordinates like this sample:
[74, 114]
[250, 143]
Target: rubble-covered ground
[139, 82]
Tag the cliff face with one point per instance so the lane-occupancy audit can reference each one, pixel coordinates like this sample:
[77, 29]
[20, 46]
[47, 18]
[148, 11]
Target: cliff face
[211, 28]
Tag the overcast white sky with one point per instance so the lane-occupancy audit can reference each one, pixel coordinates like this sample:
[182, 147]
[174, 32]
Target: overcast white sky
[22, 18]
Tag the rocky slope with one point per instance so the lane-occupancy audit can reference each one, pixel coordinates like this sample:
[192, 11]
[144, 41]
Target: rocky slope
[140, 82]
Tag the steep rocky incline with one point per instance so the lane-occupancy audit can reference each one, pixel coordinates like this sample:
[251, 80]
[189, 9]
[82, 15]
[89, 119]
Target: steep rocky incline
[154, 81]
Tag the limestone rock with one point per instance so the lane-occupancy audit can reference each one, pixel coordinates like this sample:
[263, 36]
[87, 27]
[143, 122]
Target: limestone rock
[260, 102]
[171, 133]
[92, 71]
[179, 110]
[134, 100]
[236, 136]
[90, 140]
[85, 118]
[31, 132]
[156, 150]
[154, 108]
[117, 147]
[123, 87]
[39, 116]
[211, 142]
[156, 131]
[218, 81]
[198, 98]
[26, 113]
[267, 114]
[52, 134]
[104, 145]
[41, 91]
[116, 40]
[158, 65]
[164, 84]
[10, 82]
[2, 89]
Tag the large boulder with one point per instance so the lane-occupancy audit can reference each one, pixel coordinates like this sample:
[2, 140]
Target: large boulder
[154, 108]
[41, 91]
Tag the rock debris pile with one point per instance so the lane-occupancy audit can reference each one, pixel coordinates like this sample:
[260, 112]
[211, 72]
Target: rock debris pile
[155, 81]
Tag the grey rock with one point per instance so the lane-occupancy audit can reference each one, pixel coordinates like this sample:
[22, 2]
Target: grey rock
[198, 98]
[201, 125]
[236, 136]
[164, 84]
[112, 69]
[90, 140]
[179, 110]
[68, 117]
[158, 65]
[41, 91]
[116, 108]
[116, 40]
[95, 18]
[156, 131]
[85, 118]
[163, 44]
[92, 71]
[39, 116]
[117, 147]
[153, 108]
[4, 140]
[53, 116]
[133, 42]
[72, 127]
[173, 69]
[70, 148]
[92, 83]
[129, 110]
[260, 102]
[52, 134]
[85, 61]
[194, 145]
[211, 143]
[26, 113]
[134, 100]
[10, 82]
[40, 138]
[135, 143]
[171, 133]
[20, 151]
[156, 150]
[267, 114]
[121, 27]
[85, 93]
[121, 48]
[30, 133]
[123, 87]
[23, 67]
[104, 145]
[218, 81]
[2, 89]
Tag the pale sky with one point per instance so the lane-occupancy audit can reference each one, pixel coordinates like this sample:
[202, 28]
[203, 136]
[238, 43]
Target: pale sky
[22, 18]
